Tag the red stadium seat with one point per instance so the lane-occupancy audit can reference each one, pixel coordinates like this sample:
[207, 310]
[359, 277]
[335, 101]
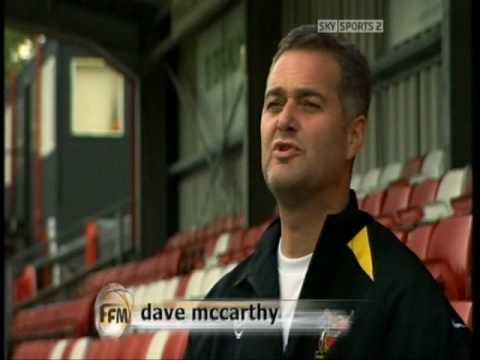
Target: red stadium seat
[33, 350]
[373, 203]
[400, 234]
[412, 168]
[176, 345]
[182, 286]
[418, 240]
[397, 198]
[235, 250]
[76, 348]
[74, 318]
[91, 245]
[463, 205]
[448, 256]
[464, 310]
[26, 285]
[421, 194]
[133, 347]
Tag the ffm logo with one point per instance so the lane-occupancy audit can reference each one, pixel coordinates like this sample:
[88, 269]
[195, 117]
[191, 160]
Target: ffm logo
[113, 310]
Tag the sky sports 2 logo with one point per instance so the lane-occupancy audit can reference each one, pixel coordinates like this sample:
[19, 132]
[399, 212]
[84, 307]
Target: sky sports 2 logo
[113, 310]
[353, 26]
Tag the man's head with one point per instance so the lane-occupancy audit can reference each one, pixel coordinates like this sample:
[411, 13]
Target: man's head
[314, 115]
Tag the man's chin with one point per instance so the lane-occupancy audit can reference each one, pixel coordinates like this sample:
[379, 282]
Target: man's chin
[285, 184]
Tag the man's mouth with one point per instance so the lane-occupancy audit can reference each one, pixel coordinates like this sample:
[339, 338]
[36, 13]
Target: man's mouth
[285, 149]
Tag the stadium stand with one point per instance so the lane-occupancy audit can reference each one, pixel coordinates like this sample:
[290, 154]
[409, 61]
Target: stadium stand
[193, 261]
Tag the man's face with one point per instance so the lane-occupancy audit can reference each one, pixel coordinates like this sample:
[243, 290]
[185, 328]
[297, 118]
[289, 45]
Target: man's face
[303, 126]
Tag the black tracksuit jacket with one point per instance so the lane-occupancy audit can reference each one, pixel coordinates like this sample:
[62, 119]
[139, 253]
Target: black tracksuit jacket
[406, 315]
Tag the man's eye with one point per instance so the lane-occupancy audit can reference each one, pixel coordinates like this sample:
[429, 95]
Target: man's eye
[274, 106]
[311, 106]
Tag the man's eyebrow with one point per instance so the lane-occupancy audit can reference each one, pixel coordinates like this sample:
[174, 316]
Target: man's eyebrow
[276, 91]
[305, 92]
[297, 93]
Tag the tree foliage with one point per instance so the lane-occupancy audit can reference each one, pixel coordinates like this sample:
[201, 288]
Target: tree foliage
[13, 38]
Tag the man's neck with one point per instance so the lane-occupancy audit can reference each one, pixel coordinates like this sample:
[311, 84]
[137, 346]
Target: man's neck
[302, 224]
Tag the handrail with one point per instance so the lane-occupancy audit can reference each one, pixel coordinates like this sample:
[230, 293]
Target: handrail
[72, 231]
[51, 291]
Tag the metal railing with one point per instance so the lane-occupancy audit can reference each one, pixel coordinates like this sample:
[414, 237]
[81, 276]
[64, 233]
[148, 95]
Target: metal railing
[68, 260]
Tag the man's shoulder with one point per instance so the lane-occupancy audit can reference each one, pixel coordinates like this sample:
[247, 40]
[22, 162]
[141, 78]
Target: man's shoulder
[392, 258]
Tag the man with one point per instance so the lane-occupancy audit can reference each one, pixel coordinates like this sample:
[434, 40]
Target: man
[313, 125]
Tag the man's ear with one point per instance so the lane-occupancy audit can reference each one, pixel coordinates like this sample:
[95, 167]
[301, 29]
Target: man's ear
[356, 136]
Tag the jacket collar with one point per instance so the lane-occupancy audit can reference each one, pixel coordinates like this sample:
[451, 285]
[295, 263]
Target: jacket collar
[262, 274]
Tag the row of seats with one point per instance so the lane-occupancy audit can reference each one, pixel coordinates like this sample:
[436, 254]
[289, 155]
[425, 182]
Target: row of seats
[445, 249]
[158, 345]
[404, 204]
[416, 170]
[74, 318]
[162, 276]
[220, 255]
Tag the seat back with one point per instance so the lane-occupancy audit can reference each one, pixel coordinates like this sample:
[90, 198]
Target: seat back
[433, 166]
[390, 174]
[418, 240]
[370, 180]
[373, 203]
[424, 193]
[40, 349]
[26, 285]
[450, 243]
[412, 168]
[396, 198]
[452, 185]
[176, 345]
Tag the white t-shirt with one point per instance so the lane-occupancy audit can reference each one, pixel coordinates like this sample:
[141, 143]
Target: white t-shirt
[291, 272]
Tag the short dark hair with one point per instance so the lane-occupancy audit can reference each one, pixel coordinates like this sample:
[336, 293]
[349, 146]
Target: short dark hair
[356, 79]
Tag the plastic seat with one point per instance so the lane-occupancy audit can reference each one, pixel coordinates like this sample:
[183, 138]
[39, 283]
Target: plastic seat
[433, 167]
[373, 203]
[390, 174]
[236, 248]
[156, 345]
[26, 285]
[194, 287]
[76, 349]
[452, 185]
[155, 292]
[421, 194]
[171, 288]
[223, 242]
[59, 349]
[449, 255]
[412, 168]
[74, 317]
[396, 199]
[464, 310]
[462, 205]
[418, 240]
[132, 347]
[176, 345]
[33, 350]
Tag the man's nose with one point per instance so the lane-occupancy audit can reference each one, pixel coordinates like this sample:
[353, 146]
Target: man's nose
[286, 120]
